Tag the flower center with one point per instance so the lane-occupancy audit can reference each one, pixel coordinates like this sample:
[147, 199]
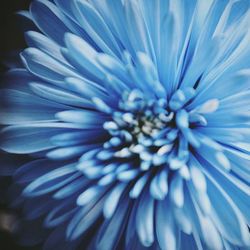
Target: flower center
[152, 132]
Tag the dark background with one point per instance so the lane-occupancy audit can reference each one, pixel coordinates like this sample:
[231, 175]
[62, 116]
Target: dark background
[10, 28]
[11, 39]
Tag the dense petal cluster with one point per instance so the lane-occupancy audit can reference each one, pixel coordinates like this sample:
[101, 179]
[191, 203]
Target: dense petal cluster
[136, 117]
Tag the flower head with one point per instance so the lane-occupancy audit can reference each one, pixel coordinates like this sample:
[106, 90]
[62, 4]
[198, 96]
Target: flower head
[136, 115]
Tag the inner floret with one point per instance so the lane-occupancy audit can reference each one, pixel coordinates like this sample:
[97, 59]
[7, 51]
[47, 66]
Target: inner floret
[153, 132]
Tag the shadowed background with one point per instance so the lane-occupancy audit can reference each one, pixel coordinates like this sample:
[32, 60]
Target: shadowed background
[11, 35]
[11, 40]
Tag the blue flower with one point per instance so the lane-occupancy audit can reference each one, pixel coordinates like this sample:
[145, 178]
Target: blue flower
[136, 115]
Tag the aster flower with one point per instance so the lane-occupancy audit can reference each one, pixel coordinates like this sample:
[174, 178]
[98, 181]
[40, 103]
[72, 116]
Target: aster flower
[136, 117]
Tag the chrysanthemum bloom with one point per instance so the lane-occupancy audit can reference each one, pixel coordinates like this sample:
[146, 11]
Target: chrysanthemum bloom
[137, 116]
